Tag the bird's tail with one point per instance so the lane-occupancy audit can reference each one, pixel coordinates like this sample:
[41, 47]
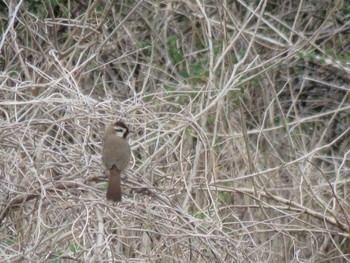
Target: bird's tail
[114, 191]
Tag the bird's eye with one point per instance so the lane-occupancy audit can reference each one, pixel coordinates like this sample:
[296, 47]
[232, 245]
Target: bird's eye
[119, 130]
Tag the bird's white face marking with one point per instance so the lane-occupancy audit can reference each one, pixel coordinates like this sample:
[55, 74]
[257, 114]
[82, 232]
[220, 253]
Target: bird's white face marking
[119, 131]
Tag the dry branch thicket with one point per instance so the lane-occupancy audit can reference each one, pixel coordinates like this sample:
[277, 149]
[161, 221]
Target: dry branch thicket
[241, 116]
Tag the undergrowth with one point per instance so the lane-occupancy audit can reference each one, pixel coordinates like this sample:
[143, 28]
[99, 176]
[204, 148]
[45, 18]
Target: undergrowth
[240, 112]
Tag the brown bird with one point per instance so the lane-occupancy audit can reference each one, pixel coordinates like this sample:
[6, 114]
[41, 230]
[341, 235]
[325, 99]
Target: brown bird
[116, 154]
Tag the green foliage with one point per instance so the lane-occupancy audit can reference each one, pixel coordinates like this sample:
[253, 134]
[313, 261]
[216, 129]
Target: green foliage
[57, 255]
[225, 197]
[36, 8]
[199, 215]
[169, 88]
[146, 47]
[40, 8]
[74, 248]
[233, 95]
[211, 119]
[197, 70]
[182, 100]
[175, 54]
[10, 241]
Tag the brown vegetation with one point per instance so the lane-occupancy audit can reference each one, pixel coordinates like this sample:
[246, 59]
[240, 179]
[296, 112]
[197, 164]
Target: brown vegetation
[241, 118]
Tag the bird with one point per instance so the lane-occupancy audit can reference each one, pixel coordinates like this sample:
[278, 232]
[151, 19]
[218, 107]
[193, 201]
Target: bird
[116, 153]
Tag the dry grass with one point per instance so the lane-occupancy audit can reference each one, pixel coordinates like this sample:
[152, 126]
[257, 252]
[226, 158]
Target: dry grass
[241, 113]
